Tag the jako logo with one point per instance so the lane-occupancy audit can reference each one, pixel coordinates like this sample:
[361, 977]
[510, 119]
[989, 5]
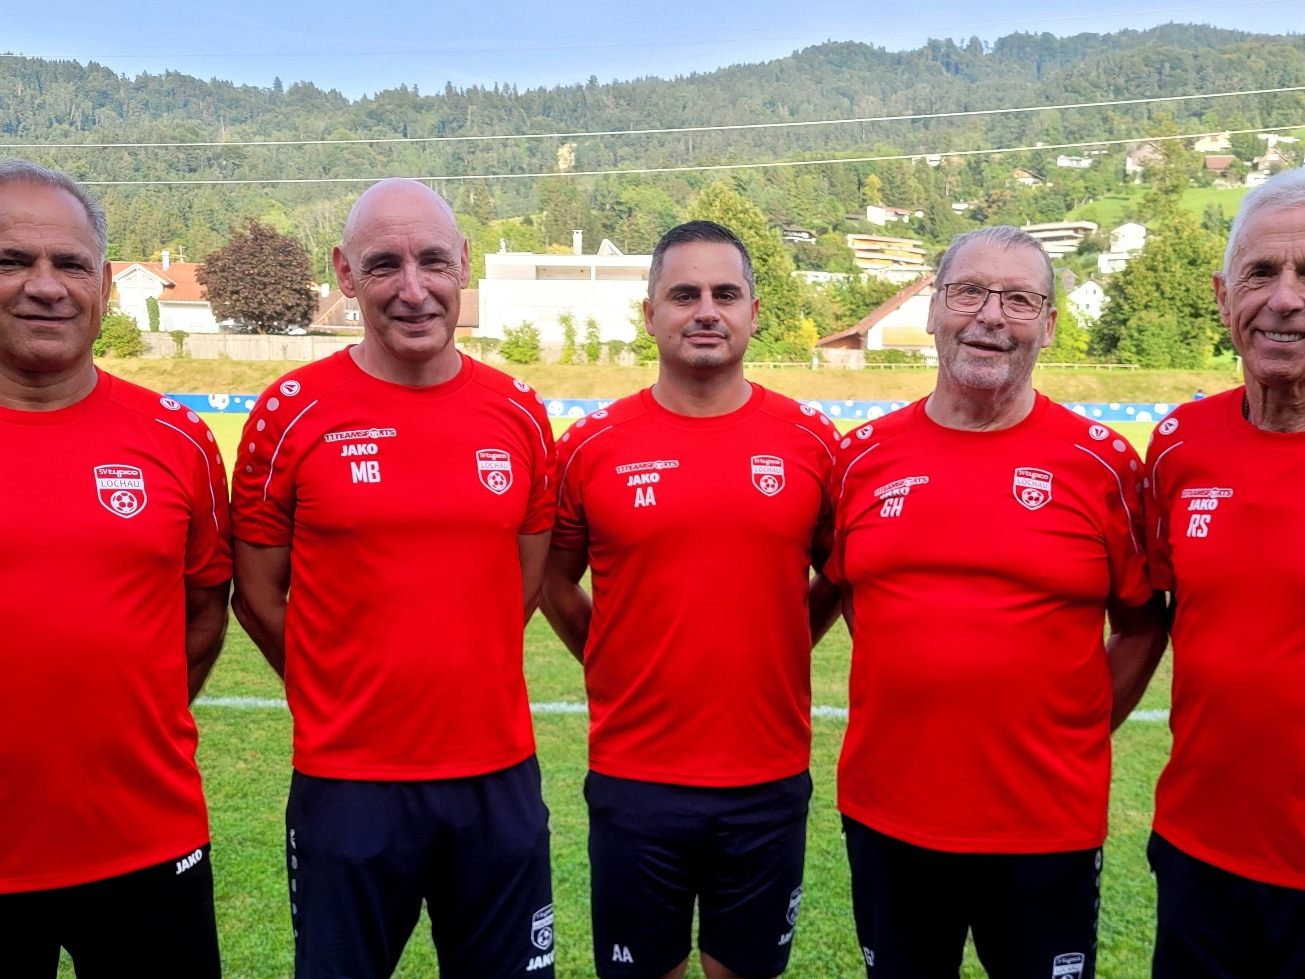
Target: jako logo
[185, 863]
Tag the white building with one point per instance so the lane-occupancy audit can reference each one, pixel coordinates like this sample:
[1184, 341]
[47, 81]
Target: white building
[540, 289]
[882, 214]
[1213, 143]
[1060, 237]
[1074, 162]
[893, 259]
[1128, 237]
[183, 302]
[1087, 301]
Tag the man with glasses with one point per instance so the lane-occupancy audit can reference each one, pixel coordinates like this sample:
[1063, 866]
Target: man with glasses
[982, 535]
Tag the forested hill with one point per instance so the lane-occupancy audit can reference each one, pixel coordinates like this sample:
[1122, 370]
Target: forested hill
[62, 102]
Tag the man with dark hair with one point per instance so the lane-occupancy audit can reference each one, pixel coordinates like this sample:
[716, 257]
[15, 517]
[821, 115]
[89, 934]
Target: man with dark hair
[1227, 524]
[392, 511]
[699, 505]
[974, 776]
[113, 593]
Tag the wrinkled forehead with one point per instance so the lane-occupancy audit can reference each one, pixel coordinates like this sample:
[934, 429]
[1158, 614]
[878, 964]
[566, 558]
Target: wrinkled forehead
[1273, 234]
[30, 211]
[400, 209]
[999, 266]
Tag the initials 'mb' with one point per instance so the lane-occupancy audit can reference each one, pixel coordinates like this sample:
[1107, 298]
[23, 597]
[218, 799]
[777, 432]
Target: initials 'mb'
[367, 471]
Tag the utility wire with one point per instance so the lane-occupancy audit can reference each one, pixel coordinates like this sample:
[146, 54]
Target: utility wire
[907, 117]
[680, 169]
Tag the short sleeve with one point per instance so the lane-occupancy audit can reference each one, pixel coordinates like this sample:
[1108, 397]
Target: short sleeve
[541, 505]
[1156, 517]
[262, 485]
[208, 537]
[1125, 530]
[571, 529]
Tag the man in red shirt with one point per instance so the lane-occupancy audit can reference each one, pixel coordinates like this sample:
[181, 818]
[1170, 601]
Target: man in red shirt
[698, 504]
[113, 596]
[983, 535]
[1226, 529]
[392, 510]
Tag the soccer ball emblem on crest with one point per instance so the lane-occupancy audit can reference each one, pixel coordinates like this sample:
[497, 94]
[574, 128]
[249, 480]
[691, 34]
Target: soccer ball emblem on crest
[121, 489]
[494, 467]
[768, 474]
[1032, 487]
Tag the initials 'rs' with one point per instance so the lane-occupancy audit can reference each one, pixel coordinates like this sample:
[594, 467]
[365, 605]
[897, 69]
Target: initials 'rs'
[1198, 525]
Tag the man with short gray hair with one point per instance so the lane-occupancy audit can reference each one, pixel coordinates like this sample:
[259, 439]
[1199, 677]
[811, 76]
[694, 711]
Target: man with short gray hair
[1227, 523]
[983, 535]
[113, 594]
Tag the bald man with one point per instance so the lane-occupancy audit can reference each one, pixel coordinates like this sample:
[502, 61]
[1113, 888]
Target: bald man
[392, 510]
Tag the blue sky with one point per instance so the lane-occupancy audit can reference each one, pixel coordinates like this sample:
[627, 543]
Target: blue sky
[360, 48]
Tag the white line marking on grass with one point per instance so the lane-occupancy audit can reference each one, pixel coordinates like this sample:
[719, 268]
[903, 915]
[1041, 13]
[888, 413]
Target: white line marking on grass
[566, 707]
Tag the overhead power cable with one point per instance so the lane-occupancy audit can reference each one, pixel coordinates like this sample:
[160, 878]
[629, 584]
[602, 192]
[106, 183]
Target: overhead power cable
[634, 171]
[905, 117]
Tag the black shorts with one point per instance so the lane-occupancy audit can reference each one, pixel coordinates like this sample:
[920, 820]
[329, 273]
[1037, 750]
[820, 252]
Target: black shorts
[1210, 922]
[362, 856]
[1034, 916]
[654, 848]
[155, 923]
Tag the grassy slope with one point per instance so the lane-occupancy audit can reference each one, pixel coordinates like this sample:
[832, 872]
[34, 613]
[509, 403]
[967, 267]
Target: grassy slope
[604, 381]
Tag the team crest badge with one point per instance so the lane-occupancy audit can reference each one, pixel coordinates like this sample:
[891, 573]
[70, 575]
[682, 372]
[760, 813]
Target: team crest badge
[121, 489]
[1032, 487]
[768, 474]
[494, 466]
[541, 928]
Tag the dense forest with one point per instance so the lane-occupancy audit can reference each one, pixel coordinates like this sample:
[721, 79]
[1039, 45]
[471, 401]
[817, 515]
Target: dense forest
[47, 106]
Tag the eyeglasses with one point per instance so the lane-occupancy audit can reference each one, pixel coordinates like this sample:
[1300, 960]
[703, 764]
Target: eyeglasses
[1018, 304]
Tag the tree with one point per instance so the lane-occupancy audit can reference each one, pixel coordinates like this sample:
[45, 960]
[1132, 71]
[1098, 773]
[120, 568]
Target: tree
[152, 311]
[521, 344]
[593, 341]
[1162, 311]
[261, 281]
[567, 320]
[1070, 343]
[779, 324]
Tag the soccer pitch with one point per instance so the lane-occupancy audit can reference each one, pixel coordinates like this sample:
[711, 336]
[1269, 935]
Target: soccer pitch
[245, 758]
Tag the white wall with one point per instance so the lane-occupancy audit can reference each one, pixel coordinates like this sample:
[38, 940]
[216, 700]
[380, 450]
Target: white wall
[505, 303]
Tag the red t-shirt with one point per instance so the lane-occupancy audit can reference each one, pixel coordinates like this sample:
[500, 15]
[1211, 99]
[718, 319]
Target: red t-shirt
[1226, 532]
[112, 507]
[700, 540]
[401, 507]
[980, 564]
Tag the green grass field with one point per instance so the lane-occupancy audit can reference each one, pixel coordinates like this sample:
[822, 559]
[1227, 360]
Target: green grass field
[245, 758]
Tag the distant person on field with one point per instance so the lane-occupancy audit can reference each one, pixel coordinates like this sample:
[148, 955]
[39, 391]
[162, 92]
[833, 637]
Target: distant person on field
[114, 575]
[392, 512]
[699, 505]
[984, 535]
[1198, 395]
[1227, 532]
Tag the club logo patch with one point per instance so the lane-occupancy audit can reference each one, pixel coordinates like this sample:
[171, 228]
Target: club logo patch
[1032, 487]
[541, 928]
[494, 467]
[768, 474]
[121, 489]
[1068, 966]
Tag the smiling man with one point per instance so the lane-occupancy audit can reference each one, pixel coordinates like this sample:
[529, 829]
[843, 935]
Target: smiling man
[392, 511]
[983, 535]
[699, 504]
[114, 576]
[1227, 528]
